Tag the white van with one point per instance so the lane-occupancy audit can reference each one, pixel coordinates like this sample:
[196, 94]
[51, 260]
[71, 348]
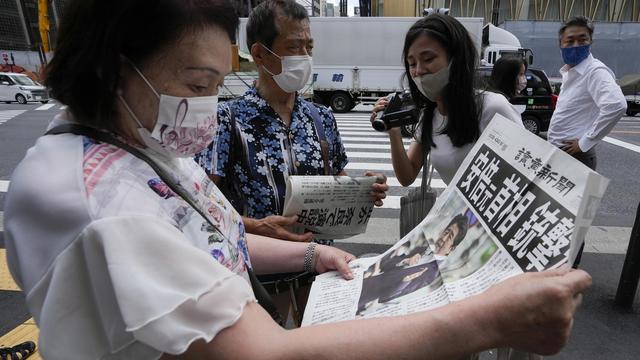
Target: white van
[20, 88]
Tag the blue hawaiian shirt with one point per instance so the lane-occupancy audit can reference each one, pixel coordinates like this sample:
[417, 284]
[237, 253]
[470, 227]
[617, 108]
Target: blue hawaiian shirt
[255, 159]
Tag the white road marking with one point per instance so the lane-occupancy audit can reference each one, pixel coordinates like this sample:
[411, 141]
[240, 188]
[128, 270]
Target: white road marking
[45, 107]
[7, 115]
[435, 183]
[623, 144]
[359, 139]
[369, 155]
[365, 134]
[369, 166]
[363, 127]
[363, 123]
[362, 146]
[4, 185]
[391, 202]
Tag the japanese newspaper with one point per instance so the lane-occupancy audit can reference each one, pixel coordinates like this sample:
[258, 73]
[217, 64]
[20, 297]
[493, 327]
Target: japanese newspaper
[332, 207]
[516, 204]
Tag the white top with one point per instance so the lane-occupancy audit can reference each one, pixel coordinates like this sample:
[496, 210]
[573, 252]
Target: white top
[589, 106]
[447, 158]
[112, 262]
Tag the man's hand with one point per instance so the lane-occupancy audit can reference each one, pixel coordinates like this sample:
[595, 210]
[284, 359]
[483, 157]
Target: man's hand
[378, 189]
[329, 258]
[275, 226]
[571, 147]
[535, 310]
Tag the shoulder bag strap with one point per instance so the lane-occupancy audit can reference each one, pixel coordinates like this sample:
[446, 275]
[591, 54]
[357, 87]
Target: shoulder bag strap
[427, 174]
[324, 144]
[235, 144]
[259, 291]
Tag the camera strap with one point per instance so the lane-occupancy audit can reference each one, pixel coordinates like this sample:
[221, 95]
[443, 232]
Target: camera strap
[324, 144]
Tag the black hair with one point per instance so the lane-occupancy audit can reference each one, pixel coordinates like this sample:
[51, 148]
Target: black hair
[84, 73]
[504, 74]
[463, 110]
[577, 21]
[463, 225]
[262, 26]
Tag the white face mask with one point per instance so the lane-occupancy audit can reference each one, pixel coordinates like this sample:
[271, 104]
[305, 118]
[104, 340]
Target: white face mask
[295, 71]
[522, 84]
[431, 85]
[184, 127]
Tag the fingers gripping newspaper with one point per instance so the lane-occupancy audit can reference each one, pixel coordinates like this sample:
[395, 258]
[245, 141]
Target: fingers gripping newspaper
[332, 207]
[516, 204]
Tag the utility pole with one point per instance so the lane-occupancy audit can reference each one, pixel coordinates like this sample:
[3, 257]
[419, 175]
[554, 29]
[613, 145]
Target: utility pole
[495, 14]
[365, 7]
[23, 21]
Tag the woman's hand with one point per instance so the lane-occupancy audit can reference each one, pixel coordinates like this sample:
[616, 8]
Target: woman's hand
[329, 258]
[535, 310]
[380, 105]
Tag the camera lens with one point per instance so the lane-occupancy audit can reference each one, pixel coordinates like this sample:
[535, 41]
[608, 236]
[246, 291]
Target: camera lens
[379, 125]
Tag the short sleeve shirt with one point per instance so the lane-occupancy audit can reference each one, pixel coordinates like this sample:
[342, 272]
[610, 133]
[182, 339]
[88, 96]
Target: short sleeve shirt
[257, 151]
[113, 263]
[447, 158]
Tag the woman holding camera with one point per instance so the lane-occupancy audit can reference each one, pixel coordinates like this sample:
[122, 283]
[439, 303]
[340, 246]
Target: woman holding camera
[441, 59]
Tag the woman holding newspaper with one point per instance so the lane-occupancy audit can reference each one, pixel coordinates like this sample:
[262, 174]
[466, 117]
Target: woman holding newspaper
[129, 251]
[440, 59]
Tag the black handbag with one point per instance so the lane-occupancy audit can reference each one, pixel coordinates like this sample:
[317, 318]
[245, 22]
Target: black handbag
[415, 206]
[264, 299]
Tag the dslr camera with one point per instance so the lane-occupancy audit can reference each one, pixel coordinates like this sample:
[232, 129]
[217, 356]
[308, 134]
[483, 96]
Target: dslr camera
[400, 111]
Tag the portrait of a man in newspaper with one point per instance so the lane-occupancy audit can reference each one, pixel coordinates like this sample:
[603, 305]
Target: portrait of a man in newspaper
[400, 272]
[451, 236]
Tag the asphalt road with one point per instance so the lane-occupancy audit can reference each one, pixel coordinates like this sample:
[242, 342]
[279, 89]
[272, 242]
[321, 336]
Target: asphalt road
[602, 331]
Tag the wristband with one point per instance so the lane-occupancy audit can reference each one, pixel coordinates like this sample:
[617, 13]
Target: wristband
[309, 257]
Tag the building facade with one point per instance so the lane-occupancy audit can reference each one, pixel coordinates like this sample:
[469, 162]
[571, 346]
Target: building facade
[499, 11]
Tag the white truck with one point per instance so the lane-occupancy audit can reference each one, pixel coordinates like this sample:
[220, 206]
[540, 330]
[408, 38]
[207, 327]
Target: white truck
[359, 59]
[497, 42]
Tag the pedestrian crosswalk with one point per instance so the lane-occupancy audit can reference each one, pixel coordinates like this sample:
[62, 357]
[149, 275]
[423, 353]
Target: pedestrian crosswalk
[45, 107]
[368, 149]
[6, 115]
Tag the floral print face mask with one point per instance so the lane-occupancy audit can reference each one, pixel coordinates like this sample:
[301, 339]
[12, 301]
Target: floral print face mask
[184, 127]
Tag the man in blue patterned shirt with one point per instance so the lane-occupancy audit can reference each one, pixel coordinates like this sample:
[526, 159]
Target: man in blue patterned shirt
[271, 132]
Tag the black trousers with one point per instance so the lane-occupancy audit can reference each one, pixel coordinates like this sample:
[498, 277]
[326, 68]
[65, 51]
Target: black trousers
[588, 158]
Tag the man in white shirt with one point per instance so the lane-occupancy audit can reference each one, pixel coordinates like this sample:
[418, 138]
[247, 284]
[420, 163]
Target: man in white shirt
[590, 102]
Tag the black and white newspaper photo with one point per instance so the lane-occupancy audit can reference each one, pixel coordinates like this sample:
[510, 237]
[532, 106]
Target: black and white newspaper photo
[517, 204]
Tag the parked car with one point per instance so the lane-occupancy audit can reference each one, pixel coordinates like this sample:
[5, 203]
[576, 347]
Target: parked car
[20, 88]
[538, 98]
[630, 85]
